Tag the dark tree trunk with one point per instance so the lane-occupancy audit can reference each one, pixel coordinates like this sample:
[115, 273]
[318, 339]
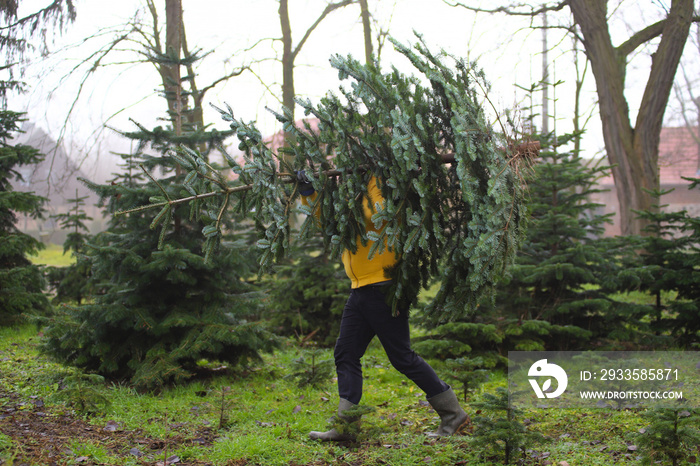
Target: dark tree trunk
[633, 150]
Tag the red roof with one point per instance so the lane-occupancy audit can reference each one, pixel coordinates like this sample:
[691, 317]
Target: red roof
[679, 156]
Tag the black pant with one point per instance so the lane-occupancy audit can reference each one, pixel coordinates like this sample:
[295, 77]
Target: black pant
[365, 315]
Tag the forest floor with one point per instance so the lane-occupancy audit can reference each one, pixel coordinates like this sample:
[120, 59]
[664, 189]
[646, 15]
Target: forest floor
[260, 416]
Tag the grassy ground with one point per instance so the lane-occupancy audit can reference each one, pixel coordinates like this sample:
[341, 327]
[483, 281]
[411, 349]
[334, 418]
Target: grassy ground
[53, 255]
[259, 416]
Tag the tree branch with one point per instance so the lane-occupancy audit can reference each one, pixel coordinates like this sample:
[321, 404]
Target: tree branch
[666, 58]
[329, 9]
[512, 10]
[641, 37]
[42, 14]
[232, 74]
[645, 35]
[156, 30]
[525, 149]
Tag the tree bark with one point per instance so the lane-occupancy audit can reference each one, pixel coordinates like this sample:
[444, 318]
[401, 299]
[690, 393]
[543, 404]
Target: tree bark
[287, 58]
[578, 124]
[171, 71]
[633, 151]
[367, 30]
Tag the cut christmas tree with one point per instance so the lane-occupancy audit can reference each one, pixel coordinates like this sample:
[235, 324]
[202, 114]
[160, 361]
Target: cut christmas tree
[459, 223]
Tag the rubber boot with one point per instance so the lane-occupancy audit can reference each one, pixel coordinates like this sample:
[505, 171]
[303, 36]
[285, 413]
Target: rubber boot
[452, 416]
[333, 434]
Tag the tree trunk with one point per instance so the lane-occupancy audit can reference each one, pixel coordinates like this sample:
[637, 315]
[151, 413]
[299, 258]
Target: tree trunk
[287, 59]
[171, 72]
[580, 75]
[289, 52]
[367, 30]
[172, 81]
[633, 151]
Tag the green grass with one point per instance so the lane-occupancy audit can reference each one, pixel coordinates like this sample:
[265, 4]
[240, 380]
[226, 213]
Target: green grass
[6, 448]
[53, 255]
[92, 451]
[266, 417]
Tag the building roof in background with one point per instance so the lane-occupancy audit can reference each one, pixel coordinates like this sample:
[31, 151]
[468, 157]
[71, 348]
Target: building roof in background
[679, 153]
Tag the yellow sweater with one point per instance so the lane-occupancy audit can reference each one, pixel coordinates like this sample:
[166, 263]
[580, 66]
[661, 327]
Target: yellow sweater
[358, 267]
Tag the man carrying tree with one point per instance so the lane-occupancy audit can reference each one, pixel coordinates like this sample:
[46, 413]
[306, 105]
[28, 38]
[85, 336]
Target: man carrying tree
[367, 314]
[428, 192]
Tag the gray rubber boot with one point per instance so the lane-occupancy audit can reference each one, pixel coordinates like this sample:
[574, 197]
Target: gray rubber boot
[452, 416]
[333, 434]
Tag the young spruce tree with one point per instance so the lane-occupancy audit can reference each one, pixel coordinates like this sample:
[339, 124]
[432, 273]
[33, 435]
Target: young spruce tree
[159, 307]
[671, 437]
[158, 312]
[499, 428]
[669, 255]
[71, 283]
[21, 282]
[552, 299]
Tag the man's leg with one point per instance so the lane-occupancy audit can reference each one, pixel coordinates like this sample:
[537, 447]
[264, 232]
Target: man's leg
[355, 335]
[394, 334]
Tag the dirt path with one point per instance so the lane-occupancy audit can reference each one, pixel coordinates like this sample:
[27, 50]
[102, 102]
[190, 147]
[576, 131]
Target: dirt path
[42, 437]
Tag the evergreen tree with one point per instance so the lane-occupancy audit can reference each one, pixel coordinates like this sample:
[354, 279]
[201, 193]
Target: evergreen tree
[499, 427]
[469, 373]
[553, 297]
[71, 283]
[307, 295]
[21, 282]
[157, 313]
[476, 339]
[672, 434]
[162, 304]
[84, 392]
[670, 257]
[312, 368]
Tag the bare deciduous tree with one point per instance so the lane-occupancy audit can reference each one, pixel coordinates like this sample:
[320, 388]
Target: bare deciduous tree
[291, 51]
[18, 34]
[632, 147]
[146, 40]
[687, 94]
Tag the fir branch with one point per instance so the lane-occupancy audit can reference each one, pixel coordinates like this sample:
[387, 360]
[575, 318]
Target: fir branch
[460, 224]
[527, 149]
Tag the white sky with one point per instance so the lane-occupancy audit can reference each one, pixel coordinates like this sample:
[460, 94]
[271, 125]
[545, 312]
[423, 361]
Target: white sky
[508, 51]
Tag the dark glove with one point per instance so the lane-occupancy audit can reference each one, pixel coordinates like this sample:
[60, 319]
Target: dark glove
[305, 186]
